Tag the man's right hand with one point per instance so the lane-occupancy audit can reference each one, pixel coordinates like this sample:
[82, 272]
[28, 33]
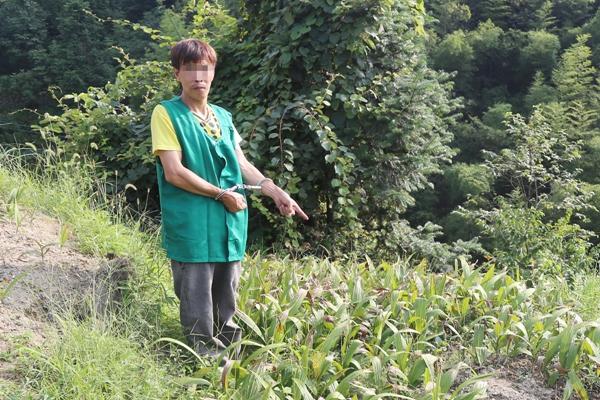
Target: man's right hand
[233, 201]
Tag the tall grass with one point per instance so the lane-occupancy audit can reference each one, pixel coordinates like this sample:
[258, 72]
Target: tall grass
[90, 362]
[586, 291]
[72, 192]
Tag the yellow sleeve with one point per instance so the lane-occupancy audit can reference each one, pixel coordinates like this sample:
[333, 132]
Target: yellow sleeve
[163, 132]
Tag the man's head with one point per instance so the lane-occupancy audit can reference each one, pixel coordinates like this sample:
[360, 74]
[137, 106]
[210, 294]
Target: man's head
[194, 64]
[192, 50]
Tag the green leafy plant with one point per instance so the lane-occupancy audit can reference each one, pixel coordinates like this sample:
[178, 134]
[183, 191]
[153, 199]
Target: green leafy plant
[7, 285]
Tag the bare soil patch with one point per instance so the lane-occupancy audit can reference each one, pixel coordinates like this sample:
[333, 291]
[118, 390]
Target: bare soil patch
[38, 276]
[517, 379]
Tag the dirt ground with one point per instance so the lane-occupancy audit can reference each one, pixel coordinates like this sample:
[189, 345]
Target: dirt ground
[37, 276]
[517, 379]
[47, 276]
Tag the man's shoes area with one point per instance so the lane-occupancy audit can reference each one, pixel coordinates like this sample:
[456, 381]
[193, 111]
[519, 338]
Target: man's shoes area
[217, 356]
[214, 350]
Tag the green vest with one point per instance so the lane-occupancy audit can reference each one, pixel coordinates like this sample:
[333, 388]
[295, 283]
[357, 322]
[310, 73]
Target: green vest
[197, 228]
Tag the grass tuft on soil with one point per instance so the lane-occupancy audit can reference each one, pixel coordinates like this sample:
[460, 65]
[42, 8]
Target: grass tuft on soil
[88, 361]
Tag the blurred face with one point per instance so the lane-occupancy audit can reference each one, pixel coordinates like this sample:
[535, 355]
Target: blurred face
[196, 78]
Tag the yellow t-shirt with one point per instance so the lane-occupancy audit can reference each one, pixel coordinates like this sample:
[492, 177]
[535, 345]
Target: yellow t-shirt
[163, 132]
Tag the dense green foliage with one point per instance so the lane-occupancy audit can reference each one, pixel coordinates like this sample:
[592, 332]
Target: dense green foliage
[339, 103]
[537, 59]
[56, 44]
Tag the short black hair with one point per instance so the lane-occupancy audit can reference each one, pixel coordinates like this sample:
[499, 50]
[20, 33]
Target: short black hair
[192, 50]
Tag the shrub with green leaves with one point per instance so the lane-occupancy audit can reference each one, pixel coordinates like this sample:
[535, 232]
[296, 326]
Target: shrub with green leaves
[111, 125]
[466, 180]
[530, 224]
[521, 239]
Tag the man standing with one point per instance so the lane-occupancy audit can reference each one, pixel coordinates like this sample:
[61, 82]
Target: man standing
[204, 225]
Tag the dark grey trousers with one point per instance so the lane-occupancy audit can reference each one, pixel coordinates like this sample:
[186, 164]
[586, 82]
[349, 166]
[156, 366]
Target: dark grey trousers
[207, 294]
